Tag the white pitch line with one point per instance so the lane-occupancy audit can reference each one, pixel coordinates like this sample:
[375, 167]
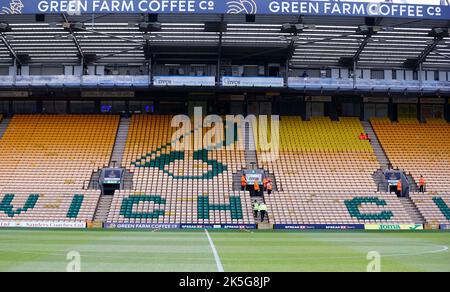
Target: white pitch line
[216, 255]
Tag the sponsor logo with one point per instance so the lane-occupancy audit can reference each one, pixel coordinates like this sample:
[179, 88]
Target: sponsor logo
[410, 227]
[242, 7]
[42, 224]
[15, 7]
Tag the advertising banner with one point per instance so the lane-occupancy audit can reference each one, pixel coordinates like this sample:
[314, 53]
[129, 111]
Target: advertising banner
[252, 82]
[112, 225]
[184, 81]
[431, 227]
[394, 227]
[94, 224]
[319, 226]
[425, 9]
[42, 224]
[445, 226]
[218, 226]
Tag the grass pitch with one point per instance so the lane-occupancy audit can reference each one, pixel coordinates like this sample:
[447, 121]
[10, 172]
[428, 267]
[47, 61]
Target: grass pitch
[238, 251]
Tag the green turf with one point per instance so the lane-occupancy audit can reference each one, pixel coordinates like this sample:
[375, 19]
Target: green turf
[46, 250]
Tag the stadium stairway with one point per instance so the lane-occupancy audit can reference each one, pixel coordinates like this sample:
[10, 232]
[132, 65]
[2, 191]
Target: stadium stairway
[103, 207]
[121, 140]
[378, 149]
[250, 147]
[266, 223]
[94, 182]
[413, 188]
[412, 210]
[3, 126]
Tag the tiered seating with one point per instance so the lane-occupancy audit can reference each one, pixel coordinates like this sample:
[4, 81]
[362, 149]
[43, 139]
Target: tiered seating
[323, 156]
[322, 165]
[53, 157]
[300, 208]
[434, 208]
[185, 185]
[419, 149]
[51, 205]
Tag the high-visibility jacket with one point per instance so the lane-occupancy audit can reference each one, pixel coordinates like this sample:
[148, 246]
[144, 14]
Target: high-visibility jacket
[399, 186]
[265, 182]
[422, 182]
[270, 186]
[256, 185]
[243, 181]
[262, 207]
[255, 207]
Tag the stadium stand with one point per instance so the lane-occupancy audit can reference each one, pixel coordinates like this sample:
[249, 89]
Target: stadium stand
[323, 156]
[46, 162]
[325, 176]
[434, 208]
[193, 186]
[419, 149]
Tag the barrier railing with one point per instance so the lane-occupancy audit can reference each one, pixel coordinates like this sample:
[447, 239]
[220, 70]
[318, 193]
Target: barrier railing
[226, 81]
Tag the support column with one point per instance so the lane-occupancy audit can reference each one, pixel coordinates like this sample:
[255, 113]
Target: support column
[362, 113]
[303, 108]
[419, 113]
[447, 109]
[393, 111]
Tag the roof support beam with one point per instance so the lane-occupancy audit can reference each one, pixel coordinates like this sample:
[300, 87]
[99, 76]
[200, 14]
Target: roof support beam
[441, 54]
[364, 43]
[219, 48]
[10, 48]
[74, 37]
[438, 36]
[291, 48]
[427, 51]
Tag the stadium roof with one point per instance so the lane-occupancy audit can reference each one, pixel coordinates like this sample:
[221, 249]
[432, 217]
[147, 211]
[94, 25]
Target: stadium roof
[316, 41]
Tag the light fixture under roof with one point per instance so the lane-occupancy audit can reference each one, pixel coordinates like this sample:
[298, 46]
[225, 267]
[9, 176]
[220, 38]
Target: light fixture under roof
[4, 27]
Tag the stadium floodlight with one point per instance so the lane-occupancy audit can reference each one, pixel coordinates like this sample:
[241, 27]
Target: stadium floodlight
[215, 26]
[439, 32]
[292, 28]
[150, 26]
[77, 26]
[376, 28]
[4, 27]
[364, 29]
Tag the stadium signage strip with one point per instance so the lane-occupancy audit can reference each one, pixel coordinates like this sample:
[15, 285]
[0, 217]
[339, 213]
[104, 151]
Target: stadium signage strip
[319, 226]
[394, 227]
[431, 9]
[184, 81]
[229, 81]
[42, 224]
[112, 225]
